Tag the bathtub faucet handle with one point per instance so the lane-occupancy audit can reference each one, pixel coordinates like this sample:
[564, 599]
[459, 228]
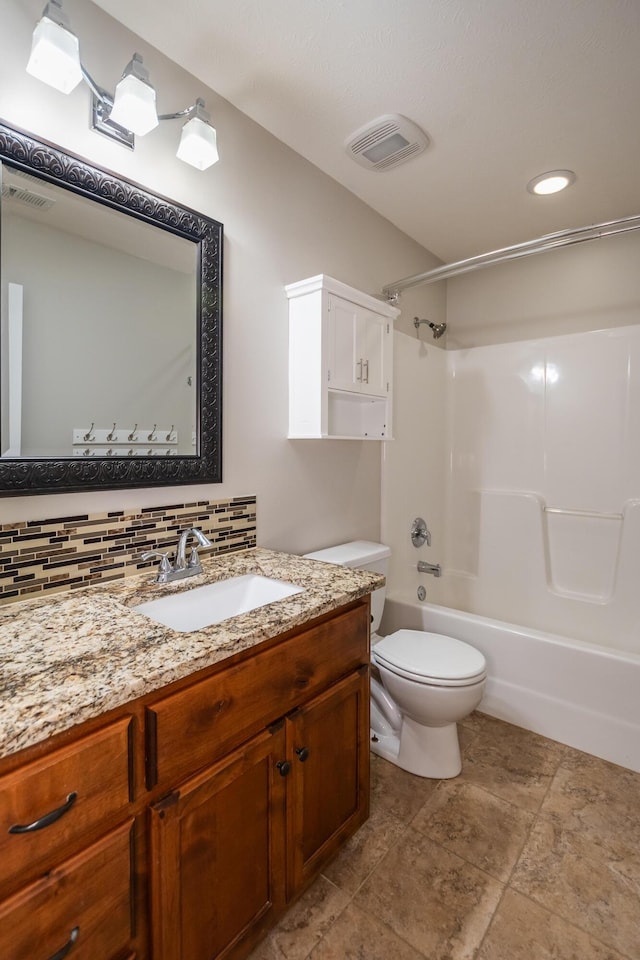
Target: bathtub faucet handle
[420, 533]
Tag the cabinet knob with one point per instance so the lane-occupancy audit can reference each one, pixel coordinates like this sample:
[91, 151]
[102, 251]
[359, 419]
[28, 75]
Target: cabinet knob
[283, 766]
[302, 753]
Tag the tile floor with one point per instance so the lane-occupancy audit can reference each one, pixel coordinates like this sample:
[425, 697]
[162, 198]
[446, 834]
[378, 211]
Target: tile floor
[532, 853]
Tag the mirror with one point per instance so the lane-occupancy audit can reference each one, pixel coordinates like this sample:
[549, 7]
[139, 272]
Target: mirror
[110, 333]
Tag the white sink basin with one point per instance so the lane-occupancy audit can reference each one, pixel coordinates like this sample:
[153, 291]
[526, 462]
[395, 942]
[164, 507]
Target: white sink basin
[203, 606]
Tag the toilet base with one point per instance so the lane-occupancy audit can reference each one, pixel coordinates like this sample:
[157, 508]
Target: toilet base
[432, 752]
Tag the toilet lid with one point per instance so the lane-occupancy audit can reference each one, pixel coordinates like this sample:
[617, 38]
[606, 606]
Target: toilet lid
[430, 658]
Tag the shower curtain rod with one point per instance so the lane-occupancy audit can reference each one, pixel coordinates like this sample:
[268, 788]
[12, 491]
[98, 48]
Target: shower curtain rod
[551, 241]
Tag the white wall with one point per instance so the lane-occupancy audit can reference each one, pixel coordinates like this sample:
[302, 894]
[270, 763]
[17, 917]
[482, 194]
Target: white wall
[589, 286]
[284, 220]
[413, 471]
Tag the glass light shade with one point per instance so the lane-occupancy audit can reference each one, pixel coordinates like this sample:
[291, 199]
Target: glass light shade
[55, 56]
[198, 144]
[134, 105]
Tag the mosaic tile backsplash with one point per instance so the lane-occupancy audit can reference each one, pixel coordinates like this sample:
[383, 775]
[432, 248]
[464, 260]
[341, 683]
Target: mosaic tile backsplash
[49, 556]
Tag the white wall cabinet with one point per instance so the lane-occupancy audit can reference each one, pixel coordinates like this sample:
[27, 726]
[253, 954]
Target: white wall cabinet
[340, 361]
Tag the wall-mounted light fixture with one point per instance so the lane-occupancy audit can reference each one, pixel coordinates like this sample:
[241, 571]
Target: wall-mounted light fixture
[55, 59]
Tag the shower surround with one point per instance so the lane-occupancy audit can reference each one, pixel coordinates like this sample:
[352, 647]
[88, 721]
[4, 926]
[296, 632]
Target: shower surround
[543, 506]
[524, 458]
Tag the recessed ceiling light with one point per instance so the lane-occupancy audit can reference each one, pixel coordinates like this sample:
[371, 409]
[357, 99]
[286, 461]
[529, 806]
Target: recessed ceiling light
[551, 182]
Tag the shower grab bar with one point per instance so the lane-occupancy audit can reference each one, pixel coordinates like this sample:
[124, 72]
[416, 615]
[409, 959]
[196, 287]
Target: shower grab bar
[590, 514]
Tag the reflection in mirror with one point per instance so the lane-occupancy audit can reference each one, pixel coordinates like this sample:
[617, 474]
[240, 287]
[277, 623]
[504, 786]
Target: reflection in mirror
[110, 329]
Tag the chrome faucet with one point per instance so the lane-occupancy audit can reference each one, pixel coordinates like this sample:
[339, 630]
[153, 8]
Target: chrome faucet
[180, 568]
[181, 558]
[434, 568]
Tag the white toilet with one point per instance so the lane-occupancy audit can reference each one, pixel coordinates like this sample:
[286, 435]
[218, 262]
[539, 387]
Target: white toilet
[429, 681]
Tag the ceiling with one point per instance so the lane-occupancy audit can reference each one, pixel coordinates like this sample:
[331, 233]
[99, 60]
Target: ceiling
[505, 90]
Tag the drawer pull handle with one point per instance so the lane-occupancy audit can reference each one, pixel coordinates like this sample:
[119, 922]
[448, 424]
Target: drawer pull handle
[283, 766]
[302, 753]
[63, 951]
[46, 821]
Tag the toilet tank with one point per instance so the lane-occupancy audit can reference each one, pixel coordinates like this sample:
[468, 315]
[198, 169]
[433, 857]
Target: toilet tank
[361, 555]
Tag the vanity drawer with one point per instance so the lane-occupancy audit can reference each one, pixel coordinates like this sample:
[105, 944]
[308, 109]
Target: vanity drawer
[84, 904]
[189, 729]
[64, 794]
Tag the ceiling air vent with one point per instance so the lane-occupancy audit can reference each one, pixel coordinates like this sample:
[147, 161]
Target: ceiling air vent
[386, 142]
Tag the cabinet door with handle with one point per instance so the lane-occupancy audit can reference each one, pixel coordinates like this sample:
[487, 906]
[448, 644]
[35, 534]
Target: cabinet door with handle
[328, 743]
[359, 349]
[217, 855]
[372, 344]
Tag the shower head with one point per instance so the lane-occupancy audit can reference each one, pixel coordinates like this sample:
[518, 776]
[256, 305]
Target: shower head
[436, 328]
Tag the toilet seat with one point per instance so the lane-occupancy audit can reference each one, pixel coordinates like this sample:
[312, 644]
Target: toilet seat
[430, 658]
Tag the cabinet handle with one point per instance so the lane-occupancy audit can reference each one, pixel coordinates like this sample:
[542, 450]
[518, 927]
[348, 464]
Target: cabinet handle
[63, 951]
[359, 376]
[45, 821]
[365, 363]
[302, 753]
[283, 766]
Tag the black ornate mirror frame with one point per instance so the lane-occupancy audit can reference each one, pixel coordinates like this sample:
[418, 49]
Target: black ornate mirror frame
[31, 476]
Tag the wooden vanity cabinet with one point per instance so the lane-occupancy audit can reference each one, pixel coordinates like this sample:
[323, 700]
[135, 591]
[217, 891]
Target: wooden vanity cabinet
[188, 729]
[233, 845]
[181, 825]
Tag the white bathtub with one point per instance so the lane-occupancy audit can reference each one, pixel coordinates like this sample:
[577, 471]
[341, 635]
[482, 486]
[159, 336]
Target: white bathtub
[578, 693]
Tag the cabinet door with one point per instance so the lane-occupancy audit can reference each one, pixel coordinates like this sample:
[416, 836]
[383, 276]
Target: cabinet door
[217, 855]
[372, 342]
[328, 743]
[345, 366]
[359, 349]
[83, 907]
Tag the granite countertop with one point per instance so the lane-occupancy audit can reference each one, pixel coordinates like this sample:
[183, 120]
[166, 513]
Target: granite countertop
[74, 656]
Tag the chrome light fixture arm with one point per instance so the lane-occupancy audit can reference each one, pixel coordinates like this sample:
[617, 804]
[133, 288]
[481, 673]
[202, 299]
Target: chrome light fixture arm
[187, 112]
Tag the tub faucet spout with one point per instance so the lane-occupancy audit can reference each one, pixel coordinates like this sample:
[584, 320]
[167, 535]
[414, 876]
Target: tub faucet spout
[434, 568]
